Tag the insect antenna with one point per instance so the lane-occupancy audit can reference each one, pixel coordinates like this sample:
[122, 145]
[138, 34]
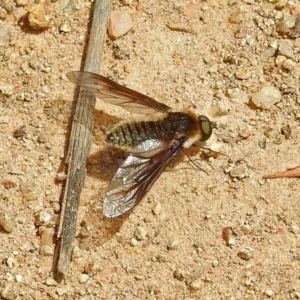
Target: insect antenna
[211, 150]
[196, 165]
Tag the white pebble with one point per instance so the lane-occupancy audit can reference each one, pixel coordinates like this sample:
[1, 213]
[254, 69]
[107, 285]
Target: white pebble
[19, 278]
[173, 245]
[140, 233]
[231, 241]
[268, 53]
[133, 242]
[288, 64]
[196, 284]
[7, 222]
[266, 97]
[6, 89]
[51, 282]
[157, 208]
[65, 27]
[294, 228]
[12, 262]
[83, 278]
[46, 250]
[269, 293]
[285, 49]
[44, 217]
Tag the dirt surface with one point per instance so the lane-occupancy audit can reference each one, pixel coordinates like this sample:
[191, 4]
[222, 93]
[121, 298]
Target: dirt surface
[220, 233]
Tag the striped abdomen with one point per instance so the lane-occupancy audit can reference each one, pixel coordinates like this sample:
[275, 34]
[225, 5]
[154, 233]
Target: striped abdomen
[173, 125]
[132, 134]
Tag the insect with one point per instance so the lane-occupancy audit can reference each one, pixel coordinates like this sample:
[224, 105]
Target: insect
[154, 141]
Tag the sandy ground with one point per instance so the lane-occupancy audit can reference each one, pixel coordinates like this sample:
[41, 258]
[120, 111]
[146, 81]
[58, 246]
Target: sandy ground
[221, 233]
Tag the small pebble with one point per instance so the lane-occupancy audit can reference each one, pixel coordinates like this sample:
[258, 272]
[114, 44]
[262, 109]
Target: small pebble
[19, 132]
[10, 291]
[46, 250]
[157, 208]
[285, 49]
[294, 228]
[5, 34]
[281, 4]
[3, 17]
[179, 274]
[43, 218]
[173, 245]
[286, 23]
[83, 278]
[65, 27]
[38, 19]
[280, 59]
[238, 16]
[215, 263]
[246, 229]
[140, 233]
[196, 284]
[35, 64]
[19, 13]
[295, 33]
[207, 16]
[12, 262]
[161, 258]
[213, 69]
[269, 293]
[119, 24]
[240, 171]
[133, 242]
[268, 53]
[51, 282]
[231, 242]
[93, 267]
[127, 2]
[21, 2]
[19, 278]
[30, 190]
[289, 65]
[191, 8]
[47, 237]
[43, 138]
[242, 73]
[286, 131]
[7, 222]
[274, 135]
[266, 97]
[246, 253]
[6, 89]
[62, 290]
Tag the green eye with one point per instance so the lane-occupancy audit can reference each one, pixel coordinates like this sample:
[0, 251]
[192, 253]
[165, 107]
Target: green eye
[206, 128]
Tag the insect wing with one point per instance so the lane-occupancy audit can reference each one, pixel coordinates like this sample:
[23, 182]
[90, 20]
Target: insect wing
[116, 94]
[137, 174]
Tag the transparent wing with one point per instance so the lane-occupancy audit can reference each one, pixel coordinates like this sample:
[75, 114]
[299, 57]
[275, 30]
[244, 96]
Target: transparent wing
[137, 174]
[114, 93]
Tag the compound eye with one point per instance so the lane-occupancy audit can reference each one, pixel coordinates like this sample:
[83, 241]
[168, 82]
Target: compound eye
[206, 128]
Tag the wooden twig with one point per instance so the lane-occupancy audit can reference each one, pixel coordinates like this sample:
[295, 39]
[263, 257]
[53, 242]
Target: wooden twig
[80, 142]
[294, 172]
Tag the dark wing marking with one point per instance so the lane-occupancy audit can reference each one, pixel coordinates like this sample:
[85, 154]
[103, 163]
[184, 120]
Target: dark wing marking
[114, 93]
[137, 174]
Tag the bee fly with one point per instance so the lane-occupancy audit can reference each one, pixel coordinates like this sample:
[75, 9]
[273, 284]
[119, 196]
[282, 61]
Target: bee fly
[154, 142]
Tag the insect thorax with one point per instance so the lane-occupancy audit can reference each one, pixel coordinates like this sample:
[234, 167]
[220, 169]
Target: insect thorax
[174, 125]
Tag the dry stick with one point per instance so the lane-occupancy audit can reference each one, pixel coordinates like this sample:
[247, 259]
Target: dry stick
[80, 142]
